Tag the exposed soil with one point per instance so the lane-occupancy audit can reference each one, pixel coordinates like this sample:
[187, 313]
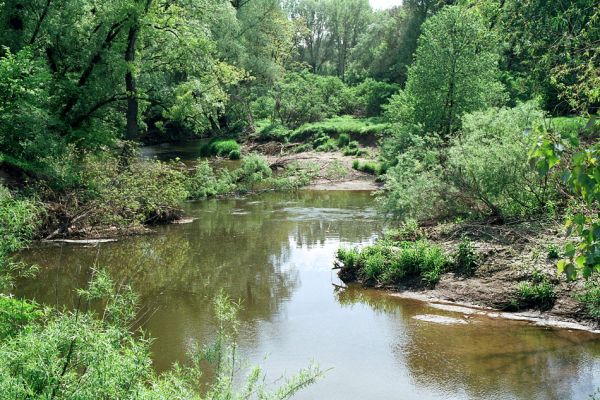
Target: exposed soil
[508, 254]
[335, 170]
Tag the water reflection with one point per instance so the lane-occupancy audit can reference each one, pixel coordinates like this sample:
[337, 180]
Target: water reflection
[482, 357]
[274, 252]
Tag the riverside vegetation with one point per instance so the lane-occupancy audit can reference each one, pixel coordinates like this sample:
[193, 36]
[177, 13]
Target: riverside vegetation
[479, 117]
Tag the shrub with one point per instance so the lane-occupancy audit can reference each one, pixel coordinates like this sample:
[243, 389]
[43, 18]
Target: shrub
[144, 192]
[15, 314]
[389, 262]
[220, 147]
[343, 140]
[465, 258]
[484, 172]
[488, 163]
[590, 297]
[408, 230]
[275, 132]
[370, 167]
[536, 293]
[553, 251]
[372, 95]
[235, 155]
[302, 97]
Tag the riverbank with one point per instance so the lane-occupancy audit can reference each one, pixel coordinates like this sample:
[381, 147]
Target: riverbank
[514, 273]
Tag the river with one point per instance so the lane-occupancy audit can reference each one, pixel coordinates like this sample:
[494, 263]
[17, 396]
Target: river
[274, 252]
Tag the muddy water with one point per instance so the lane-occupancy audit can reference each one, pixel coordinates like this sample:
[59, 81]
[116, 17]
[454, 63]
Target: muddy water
[275, 253]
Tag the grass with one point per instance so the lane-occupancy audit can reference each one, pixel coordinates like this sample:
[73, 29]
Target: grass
[590, 297]
[347, 124]
[390, 263]
[222, 147]
[537, 292]
[370, 167]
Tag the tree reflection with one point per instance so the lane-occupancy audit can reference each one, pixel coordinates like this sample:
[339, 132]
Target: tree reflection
[239, 245]
[485, 357]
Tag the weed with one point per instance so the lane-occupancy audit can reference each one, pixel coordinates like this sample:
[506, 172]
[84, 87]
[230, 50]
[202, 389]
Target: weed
[465, 258]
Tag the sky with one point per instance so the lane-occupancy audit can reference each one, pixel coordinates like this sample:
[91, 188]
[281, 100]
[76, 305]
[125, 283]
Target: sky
[383, 4]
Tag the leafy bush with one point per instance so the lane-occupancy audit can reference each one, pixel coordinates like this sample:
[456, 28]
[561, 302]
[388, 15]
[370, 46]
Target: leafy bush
[145, 192]
[465, 258]
[408, 230]
[302, 97]
[536, 293]
[354, 127]
[489, 164]
[389, 262]
[235, 155]
[275, 132]
[370, 167]
[590, 297]
[484, 172]
[220, 148]
[15, 314]
[343, 140]
[553, 251]
[371, 96]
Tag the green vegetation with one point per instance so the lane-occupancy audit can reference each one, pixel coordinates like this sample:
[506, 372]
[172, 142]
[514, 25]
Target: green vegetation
[466, 259]
[222, 148]
[370, 167]
[393, 263]
[538, 292]
[590, 297]
[482, 110]
[254, 174]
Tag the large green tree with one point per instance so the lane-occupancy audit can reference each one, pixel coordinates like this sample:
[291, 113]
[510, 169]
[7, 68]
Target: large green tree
[455, 72]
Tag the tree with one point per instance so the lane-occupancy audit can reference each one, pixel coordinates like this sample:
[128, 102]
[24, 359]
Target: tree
[455, 72]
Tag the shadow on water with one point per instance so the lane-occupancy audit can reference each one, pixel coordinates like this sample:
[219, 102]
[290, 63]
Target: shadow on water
[274, 252]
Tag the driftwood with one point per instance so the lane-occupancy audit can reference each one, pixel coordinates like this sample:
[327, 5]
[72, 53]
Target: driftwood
[81, 241]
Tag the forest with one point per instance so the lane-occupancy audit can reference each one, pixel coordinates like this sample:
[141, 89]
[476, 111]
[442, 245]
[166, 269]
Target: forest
[475, 122]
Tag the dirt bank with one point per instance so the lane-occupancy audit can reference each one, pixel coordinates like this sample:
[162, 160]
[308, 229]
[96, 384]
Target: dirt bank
[508, 254]
[334, 170]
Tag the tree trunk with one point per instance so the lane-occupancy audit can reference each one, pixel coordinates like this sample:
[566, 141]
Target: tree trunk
[130, 85]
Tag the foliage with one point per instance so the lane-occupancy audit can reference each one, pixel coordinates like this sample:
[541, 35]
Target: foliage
[370, 167]
[483, 172]
[221, 148]
[371, 96]
[144, 192]
[302, 97]
[389, 262]
[77, 355]
[407, 231]
[537, 292]
[579, 168]
[466, 259]
[488, 163]
[354, 127]
[590, 297]
[455, 72]
[15, 314]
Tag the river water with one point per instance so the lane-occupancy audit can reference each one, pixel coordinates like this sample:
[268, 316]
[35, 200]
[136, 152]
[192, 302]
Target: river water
[274, 252]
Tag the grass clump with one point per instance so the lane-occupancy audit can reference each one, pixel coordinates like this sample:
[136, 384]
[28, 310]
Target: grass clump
[369, 167]
[391, 263]
[221, 148]
[553, 251]
[538, 292]
[466, 259]
[408, 230]
[590, 297]
[336, 126]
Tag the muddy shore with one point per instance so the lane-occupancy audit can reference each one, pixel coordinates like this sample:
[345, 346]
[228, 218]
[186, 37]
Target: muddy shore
[507, 255]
